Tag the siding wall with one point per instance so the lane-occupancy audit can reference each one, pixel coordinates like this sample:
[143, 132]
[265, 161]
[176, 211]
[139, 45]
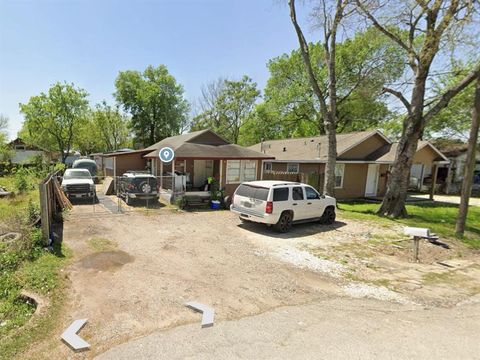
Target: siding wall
[125, 163]
[354, 180]
[365, 148]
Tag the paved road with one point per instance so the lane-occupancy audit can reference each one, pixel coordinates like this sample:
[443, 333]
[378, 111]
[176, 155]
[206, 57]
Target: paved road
[452, 199]
[331, 329]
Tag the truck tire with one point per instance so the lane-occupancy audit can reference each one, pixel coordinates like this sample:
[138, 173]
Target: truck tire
[328, 216]
[284, 224]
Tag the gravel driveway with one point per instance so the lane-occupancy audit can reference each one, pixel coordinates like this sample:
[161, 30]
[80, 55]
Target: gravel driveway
[132, 274]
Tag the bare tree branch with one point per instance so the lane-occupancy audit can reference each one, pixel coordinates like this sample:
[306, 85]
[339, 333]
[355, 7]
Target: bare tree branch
[409, 49]
[400, 96]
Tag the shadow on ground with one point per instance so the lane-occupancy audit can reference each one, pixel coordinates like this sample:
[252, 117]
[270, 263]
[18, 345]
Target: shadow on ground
[298, 230]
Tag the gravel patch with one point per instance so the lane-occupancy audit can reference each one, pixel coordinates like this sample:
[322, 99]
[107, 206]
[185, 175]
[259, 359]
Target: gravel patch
[359, 290]
[304, 259]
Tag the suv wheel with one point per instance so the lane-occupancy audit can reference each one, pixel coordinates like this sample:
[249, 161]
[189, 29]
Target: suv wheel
[284, 224]
[328, 216]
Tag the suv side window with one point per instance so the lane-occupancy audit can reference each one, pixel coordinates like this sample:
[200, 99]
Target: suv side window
[297, 193]
[280, 194]
[311, 193]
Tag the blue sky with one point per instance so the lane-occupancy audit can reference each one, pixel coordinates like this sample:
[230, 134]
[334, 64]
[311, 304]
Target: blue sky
[88, 42]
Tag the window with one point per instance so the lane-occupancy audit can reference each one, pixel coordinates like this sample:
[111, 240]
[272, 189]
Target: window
[241, 170]
[254, 192]
[267, 166]
[339, 172]
[292, 167]
[297, 193]
[280, 194]
[233, 171]
[311, 193]
[249, 170]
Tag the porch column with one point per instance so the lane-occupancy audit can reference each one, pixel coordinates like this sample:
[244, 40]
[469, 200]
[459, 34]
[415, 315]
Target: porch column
[221, 174]
[434, 180]
[161, 175]
[173, 176]
[114, 173]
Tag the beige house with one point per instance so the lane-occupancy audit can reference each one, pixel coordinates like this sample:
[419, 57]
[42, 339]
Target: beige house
[363, 161]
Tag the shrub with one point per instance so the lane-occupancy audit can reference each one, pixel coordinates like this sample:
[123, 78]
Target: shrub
[21, 180]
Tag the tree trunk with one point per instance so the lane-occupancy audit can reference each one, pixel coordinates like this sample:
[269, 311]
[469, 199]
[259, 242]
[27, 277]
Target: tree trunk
[393, 203]
[329, 184]
[469, 164]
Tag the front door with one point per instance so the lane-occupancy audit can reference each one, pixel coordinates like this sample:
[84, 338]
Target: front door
[372, 180]
[202, 169]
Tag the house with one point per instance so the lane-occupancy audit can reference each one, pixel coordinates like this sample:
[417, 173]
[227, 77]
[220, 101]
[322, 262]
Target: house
[25, 154]
[363, 162]
[198, 156]
[453, 173]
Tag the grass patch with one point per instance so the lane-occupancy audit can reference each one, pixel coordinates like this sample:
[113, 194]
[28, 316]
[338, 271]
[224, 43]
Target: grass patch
[101, 244]
[40, 275]
[439, 218]
[26, 265]
[448, 277]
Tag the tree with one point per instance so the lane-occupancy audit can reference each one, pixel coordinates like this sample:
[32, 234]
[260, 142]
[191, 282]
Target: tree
[53, 119]
[228, 105]
[155, 101]
[328, 99]
[112, 127]
[421, 29]
[470, 163]
[365, 63]
[455, 120]
[5, 152]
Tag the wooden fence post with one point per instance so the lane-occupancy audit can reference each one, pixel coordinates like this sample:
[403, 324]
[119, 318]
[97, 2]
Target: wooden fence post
[44, 213]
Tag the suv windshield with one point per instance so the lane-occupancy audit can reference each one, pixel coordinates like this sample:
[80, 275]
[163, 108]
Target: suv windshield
[77, 174]
[253, 192]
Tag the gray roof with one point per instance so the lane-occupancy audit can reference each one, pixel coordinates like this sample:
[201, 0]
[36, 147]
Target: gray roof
[203, 144]
[312, 148]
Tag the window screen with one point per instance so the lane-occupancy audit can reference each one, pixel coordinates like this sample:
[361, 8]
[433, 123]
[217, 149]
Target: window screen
[297, 193]
[280, 194]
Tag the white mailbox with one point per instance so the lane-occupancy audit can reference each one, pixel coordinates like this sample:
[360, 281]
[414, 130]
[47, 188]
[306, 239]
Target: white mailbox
[414, 231]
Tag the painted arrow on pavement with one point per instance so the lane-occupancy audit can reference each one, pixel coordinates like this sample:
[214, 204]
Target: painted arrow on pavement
[71, 338]
[208, 312]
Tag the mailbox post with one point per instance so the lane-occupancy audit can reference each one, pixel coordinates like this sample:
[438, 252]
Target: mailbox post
[418, 234]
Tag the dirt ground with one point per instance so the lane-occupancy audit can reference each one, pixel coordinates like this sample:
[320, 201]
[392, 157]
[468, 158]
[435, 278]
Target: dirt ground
[132, 273]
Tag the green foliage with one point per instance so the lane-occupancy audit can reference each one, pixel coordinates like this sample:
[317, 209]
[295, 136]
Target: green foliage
[5, 152]
[439, 218]
[21, 180]
[454, 121]
[230, 108]
[155, 101]
[112, 127]
[365, 63]
[53, 119]
[24, 265]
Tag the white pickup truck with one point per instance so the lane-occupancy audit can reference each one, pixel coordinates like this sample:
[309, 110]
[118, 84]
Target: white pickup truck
[282, 203]
[78, 184]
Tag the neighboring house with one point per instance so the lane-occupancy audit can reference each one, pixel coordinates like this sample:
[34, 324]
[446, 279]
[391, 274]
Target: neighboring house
[363, 161]
[453, 173]
[25, 154]
[198, 156]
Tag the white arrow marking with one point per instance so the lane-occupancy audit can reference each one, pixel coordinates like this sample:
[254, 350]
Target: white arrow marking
[71, 338]
[208, 312]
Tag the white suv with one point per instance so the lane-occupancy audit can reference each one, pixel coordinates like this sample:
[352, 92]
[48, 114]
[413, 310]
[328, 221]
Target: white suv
[281, 203]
